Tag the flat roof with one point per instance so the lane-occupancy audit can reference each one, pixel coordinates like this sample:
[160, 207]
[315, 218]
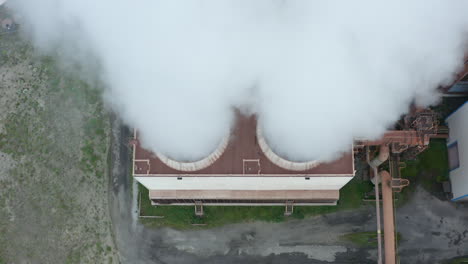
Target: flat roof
[242, 156]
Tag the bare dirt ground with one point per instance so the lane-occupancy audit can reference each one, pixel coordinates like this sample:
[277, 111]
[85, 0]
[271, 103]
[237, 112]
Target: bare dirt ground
[433, 231]
[53, 156]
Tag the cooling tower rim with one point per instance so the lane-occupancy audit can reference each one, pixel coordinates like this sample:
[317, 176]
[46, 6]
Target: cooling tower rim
[199, 164]
[279, 161]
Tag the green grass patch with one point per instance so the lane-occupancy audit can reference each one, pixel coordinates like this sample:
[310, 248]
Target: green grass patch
[463, 260]
[431, 165]
[183, 217]
[350, 198]
[429, 169]
[365, 239]
[435, 159]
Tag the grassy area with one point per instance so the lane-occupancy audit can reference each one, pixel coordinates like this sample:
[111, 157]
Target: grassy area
[459, 261]
[182, 217]
[429, 170]
[350, 198]
[365, 239]
[432, 164]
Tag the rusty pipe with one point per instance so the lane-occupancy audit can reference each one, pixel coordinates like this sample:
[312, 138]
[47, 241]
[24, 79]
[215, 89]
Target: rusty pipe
[389, 225]
[384, 153]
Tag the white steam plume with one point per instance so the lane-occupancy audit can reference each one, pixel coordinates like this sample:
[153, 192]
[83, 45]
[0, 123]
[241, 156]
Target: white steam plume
[317, 73]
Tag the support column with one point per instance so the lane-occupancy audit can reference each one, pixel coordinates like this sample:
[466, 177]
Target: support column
[198, 208]
[289, 208]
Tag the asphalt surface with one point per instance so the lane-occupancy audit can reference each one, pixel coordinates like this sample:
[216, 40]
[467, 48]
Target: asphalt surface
[432, 230]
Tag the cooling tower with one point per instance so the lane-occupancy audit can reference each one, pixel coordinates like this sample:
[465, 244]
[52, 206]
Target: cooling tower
[199, 164]
[279, 161]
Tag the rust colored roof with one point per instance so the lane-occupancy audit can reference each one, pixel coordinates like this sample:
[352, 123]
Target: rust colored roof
[245, 195]
[242, 146]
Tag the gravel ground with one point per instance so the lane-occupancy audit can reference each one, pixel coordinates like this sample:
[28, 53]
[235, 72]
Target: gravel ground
[53, 159]
[432, 229]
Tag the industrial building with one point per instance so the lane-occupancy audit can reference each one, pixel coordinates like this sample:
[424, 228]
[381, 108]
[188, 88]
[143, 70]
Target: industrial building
[243, 170]
[458, 152]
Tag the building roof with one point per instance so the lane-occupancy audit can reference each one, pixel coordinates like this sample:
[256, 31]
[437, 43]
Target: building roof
[242, 156]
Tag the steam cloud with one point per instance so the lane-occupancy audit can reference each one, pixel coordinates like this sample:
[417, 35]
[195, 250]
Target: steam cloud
[317, 73]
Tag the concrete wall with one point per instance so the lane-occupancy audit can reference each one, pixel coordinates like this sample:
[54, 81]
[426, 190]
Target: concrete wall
[458, 125]
[243, 183]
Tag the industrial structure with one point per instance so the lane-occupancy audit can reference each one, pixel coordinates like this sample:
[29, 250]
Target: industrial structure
[243, 170]
[458, 153]
[411, 136]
